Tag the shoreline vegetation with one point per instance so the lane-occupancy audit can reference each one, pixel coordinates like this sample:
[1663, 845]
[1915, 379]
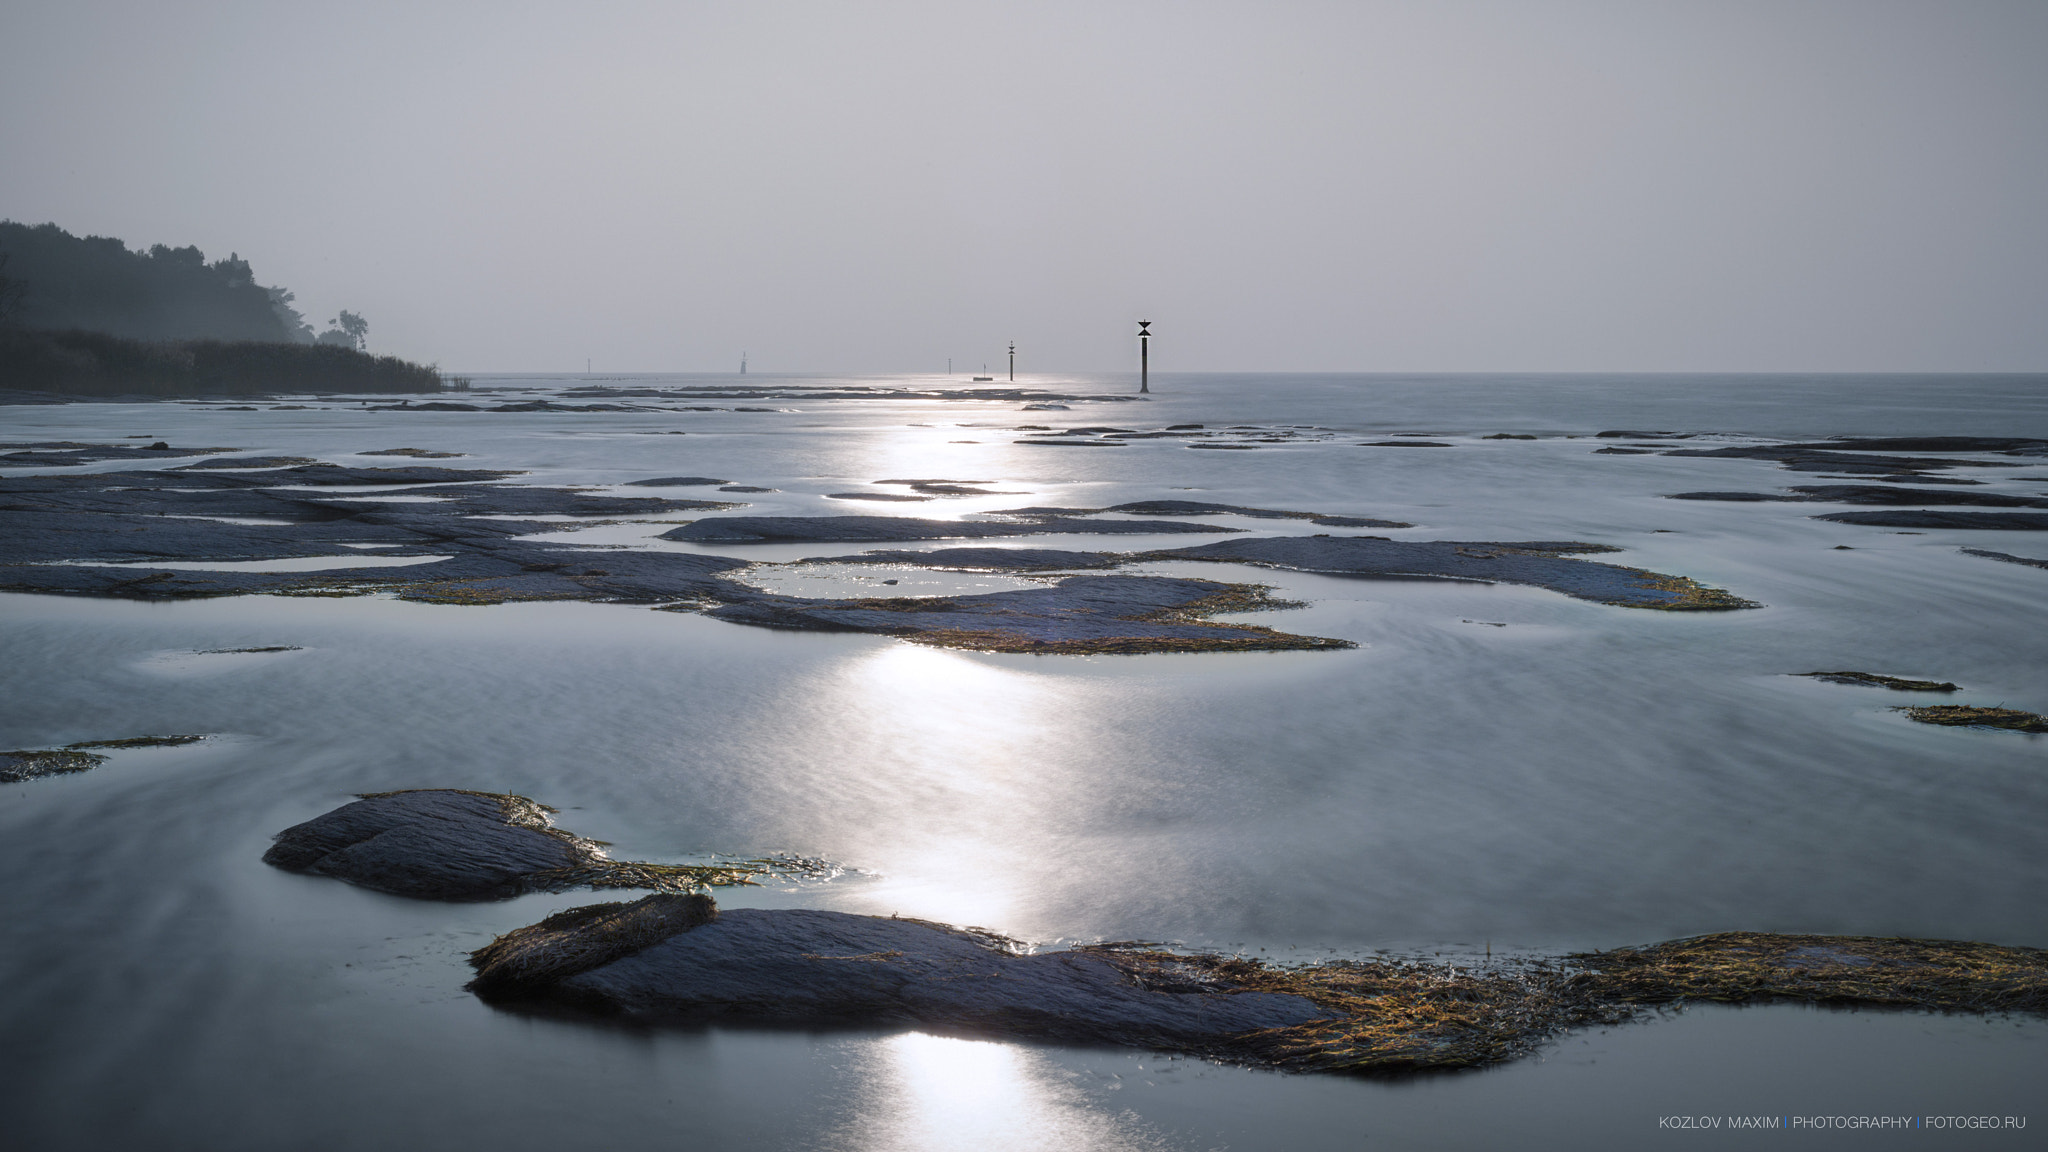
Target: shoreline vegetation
[77, 363]
[85, 316]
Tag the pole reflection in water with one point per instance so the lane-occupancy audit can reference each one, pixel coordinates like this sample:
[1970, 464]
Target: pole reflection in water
[924, 1093]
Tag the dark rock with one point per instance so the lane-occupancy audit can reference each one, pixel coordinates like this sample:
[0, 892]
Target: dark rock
[1404, 444]
[1542, 563]
[416, 453]
[1874, 680]
[744, 488]
[1021, 559]
[335, 474]
[2008, 558]
[887, 497]
[882, 529]
[247, 462]
[1623, 452]
[807, 967]
[1873, 494]
[1735, 497]
[678, 482]
[1357, 522]
[1927, 518]
[1627, 434]
[1074, 443]
[1078, 615]
[65, 453]
[530, 961]
[432, 844]
[1923, 444]
[1822, 458]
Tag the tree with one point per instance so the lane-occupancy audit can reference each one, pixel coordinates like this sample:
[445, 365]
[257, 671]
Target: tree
[348, 330]
[13, 290]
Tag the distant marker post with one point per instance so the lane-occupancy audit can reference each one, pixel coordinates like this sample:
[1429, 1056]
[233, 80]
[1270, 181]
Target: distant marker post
[1144, 356]
[1013, 361]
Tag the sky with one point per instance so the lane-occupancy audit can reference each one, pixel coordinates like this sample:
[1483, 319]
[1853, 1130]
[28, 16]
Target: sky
[1528, 186]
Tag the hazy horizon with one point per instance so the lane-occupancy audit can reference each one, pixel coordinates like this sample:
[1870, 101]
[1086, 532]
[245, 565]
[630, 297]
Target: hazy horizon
[1303, 187]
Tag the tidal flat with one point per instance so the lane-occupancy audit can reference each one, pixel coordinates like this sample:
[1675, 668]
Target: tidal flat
[1577, 777]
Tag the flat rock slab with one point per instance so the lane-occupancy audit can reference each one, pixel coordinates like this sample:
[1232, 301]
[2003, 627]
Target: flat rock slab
[1078, 615]
[1205, 508]
[1873, 494]
[65, 453]
[432, 844]
[1018, 559]
[882, 529]
[808, 967]
[1538, 562]
[2008, 557]
[1928, 518]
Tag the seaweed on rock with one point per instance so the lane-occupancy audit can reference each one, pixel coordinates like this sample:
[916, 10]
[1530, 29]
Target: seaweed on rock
[1894, 683]
[1968, 716]
[28, 764]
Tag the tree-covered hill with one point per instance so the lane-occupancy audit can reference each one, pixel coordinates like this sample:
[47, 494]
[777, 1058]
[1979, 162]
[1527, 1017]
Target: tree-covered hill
[86, 315]
[96, 284]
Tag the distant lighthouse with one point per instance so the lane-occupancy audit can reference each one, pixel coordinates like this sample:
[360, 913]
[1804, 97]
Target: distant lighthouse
[743, 363]
[1013, 361]
[1144, 356]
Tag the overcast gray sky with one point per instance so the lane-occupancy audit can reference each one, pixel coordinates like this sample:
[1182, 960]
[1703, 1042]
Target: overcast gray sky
[1533, 185]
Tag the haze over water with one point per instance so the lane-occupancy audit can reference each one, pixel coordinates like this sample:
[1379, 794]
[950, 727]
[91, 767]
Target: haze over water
[1494, 767]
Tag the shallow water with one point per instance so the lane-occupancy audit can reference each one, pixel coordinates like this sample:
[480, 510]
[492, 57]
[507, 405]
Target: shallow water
[1493, 766]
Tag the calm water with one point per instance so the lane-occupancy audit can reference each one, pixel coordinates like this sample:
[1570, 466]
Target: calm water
[1584, 776]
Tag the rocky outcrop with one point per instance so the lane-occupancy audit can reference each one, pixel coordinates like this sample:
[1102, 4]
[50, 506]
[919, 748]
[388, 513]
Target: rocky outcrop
[432, 844]
[817, 968]
[454, 844]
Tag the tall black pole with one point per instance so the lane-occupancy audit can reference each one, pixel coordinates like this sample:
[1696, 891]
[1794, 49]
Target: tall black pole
[1144, 356]
[1013, 361]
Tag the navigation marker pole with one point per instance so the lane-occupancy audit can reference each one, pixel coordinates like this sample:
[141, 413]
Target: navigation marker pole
[1013, 361]
[1144, 356]
[743, 363]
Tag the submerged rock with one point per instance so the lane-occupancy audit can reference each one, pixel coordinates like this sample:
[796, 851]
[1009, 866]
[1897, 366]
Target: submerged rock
[1872, 679]
[2005, 556]
[824, 529]
[1020, 559]
[1928, 518]
[1542, 563]
[1080, 615]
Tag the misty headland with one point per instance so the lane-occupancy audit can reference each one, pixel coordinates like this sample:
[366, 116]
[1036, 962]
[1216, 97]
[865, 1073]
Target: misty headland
[86, 316]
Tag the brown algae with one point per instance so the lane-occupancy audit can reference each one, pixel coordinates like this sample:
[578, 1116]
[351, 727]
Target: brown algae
[1968, 716]
[1895, 683]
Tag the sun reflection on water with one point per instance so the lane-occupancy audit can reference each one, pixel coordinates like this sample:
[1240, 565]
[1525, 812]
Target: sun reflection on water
[925, 1093]
[962, 739]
